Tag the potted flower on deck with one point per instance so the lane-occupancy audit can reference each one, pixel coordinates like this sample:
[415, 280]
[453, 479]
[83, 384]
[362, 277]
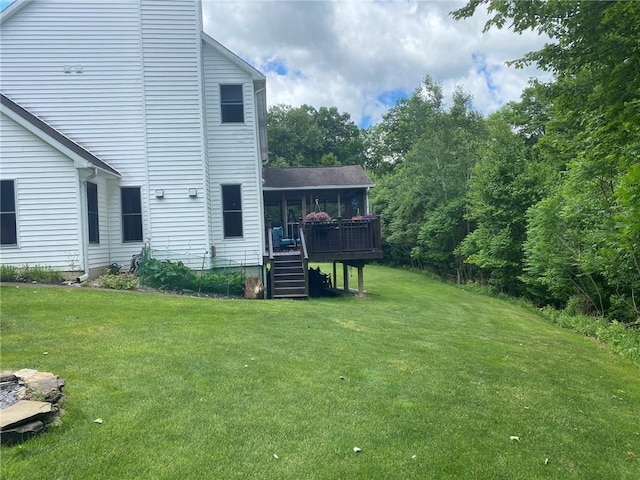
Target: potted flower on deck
[317, 217]
[316, 230]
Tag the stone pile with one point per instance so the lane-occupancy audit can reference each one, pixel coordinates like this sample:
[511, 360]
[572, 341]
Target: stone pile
[30, 401]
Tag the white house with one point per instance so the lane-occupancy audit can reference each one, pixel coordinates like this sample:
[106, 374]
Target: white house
[124, 124]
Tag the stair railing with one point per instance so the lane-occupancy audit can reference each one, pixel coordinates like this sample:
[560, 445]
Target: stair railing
[272, 275]
[304, 257]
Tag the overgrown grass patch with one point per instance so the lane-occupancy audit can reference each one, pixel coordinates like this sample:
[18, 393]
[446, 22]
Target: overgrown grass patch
[29, 273]
[120, 281]
[622, 339]
[430, 381]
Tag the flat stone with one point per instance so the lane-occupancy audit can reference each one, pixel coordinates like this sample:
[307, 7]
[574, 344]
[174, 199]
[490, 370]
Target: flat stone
[26, 429]
[7, 376]
[25, 373]
[21, 432]
[44, 384]
[23, 411]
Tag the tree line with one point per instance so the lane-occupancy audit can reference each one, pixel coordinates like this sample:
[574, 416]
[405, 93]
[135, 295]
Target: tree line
[540, 199]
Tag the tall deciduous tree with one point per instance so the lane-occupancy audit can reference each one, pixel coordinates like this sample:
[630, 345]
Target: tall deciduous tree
[505, 183]
[388, 142]
[421, 198]
[304, 136]
[580, 242]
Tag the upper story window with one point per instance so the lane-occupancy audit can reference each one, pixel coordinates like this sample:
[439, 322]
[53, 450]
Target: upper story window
[231, 104]
[92, 213]
[8, 229]
[131, 214]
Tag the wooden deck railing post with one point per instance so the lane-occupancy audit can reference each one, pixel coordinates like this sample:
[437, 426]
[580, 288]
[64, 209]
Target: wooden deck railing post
[271, 258]
[305, 260]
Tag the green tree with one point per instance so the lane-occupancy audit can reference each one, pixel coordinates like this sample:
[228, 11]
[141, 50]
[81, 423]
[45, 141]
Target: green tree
[579, 240]
[421, 197]
[294, 137]
[340, 136]
[503, 187]
[304, 136]
[387, 143]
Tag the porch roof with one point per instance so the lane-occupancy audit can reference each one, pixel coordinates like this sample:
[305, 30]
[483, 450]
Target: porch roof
[315, 178]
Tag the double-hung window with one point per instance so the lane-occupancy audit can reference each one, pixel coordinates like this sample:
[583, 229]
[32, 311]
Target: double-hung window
[8, 229]
[131, 214]
[231, 104]
[232, 210]
[92, 213]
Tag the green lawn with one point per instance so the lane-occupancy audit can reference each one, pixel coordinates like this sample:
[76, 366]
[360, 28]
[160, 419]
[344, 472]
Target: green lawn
[428, 380]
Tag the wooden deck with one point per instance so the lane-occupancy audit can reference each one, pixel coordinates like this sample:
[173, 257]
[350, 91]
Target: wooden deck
[341, 240]
[350, 242]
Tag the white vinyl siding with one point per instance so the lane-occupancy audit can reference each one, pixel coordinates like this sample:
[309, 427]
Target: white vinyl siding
[173, 97]
[234, 159]
[101, 108]
[133, 83]
[46, 191]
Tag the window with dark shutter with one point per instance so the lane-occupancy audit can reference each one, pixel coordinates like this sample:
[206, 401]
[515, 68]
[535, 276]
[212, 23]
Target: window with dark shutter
[92, 213]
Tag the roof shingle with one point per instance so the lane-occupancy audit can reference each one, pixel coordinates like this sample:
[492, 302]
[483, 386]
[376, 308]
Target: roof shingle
[308, 178]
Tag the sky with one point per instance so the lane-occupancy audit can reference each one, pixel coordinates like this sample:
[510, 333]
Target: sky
[361, 56]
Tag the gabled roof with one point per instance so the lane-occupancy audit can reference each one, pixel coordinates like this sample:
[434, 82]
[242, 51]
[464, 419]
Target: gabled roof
[259, 85]
[315, 178]
[53, 137]
[233, 58]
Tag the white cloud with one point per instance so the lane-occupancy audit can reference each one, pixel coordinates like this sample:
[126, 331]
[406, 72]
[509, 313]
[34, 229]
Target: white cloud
[347, 53]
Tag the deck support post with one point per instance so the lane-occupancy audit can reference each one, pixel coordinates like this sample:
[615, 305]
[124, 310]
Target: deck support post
[345, 277]
[360, 280]
[335, 275]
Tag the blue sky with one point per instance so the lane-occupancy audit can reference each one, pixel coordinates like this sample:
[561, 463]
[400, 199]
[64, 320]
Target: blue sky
[361, 56]
[5, 3]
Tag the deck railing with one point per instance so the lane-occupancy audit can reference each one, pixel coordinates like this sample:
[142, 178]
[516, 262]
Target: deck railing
[340, 235]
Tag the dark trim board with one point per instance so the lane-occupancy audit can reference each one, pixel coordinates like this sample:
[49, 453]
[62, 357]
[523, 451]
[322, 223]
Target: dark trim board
[346, 257]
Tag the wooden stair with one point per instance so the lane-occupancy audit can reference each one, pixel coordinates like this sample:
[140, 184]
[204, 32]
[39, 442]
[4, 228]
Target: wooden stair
[288, 277]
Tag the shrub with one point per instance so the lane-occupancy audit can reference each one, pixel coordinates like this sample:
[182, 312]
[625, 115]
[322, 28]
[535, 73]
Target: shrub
[25, 273]
[167, 275]
[118, 282]
[622, 339]
[221, 283]
[176, 276]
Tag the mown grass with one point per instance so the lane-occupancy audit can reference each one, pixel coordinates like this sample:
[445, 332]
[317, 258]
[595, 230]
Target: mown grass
[429, 380]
